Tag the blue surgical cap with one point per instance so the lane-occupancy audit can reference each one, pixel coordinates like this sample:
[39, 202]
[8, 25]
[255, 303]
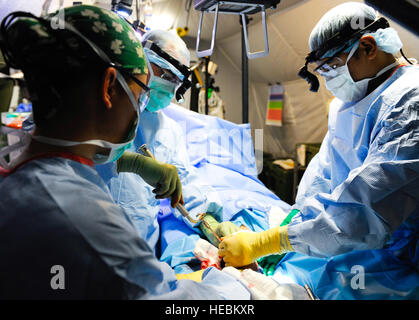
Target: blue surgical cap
[170, 43]
[356, 15]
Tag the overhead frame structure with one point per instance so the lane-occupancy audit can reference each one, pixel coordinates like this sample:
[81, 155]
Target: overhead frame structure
[242, 8]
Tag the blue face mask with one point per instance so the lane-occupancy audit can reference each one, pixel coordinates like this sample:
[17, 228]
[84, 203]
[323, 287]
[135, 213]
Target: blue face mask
[161, 93]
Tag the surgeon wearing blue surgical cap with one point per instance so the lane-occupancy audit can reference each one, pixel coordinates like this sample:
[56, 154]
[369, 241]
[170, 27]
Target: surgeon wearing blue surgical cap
[358, 201]
[166, 140]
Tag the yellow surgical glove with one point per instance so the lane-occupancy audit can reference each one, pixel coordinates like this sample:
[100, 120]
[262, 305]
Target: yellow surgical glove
[243, 248]
[163, 177]
[195, 276]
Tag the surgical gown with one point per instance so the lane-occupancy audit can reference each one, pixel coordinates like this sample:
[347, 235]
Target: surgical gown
[56, 211]
[223, 154]
[165, 139]
[359, 198]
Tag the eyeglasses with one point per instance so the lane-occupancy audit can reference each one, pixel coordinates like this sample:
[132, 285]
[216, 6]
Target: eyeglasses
[133, 78]
[326, 69]
[336, 62]
[144, 97]
[169, 76]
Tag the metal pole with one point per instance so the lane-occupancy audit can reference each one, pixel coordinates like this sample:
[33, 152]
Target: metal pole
[206, 84]
[245, 75]
[193, 103]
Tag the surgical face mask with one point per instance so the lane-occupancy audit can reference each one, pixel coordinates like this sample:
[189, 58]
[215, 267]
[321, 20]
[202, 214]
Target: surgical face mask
[116, 149]
[339, 81]
[162, 91]
[143, 101]
[115, 152]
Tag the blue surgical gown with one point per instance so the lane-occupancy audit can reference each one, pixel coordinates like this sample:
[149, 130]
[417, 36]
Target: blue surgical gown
[58, 211]
[165, 139]
[359, 197]
[223, 155]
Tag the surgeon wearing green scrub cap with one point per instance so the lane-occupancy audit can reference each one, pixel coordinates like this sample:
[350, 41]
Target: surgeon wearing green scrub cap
[70, 240]
[84, 101]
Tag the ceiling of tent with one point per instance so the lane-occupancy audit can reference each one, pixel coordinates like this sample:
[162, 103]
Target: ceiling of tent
[289, 27]
[172, 13]
[228, 25]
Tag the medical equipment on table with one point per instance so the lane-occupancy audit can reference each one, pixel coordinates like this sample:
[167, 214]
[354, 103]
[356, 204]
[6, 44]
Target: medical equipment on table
[146, 152]
[14, 119]
[11, 126]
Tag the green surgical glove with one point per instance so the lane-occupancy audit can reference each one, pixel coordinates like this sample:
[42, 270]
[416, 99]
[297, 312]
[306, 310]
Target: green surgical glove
[222, 229]
[226, 228]
[163, 177]
[269, 263]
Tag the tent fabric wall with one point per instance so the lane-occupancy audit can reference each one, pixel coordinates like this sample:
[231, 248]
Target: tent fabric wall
[305, 113]
[289, 27]
[304, 117]
[288, 32]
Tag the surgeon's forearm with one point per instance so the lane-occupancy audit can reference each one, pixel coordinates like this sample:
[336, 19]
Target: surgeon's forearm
[130, 162]
[338, 230]
[149, 169]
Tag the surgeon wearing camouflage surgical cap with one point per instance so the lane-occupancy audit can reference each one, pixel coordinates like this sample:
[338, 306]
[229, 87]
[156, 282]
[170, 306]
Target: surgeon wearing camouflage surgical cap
[61, 235]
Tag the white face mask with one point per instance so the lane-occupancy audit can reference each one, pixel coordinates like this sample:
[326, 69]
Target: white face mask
[116, 149]
[344, 87]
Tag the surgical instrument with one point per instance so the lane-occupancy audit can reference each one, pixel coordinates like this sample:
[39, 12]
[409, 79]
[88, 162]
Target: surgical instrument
[146, 152]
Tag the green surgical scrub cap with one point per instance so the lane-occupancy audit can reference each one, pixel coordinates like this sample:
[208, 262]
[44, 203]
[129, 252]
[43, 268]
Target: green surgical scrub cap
[35, 42]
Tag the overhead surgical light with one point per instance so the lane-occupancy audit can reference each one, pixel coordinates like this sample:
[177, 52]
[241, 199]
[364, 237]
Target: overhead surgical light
[161, 22]
[238, 7]
[122, 7]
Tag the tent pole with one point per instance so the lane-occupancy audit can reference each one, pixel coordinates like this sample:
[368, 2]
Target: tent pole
[245, 75]
[207, 59]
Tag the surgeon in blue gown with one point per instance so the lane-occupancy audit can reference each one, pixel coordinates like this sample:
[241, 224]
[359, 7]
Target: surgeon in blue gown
[356, 233]
[61, 234]
[166, 141]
